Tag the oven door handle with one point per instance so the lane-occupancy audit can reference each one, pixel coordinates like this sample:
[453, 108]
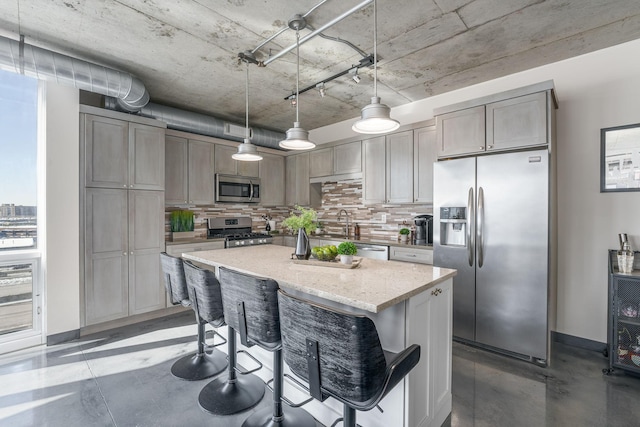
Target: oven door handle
[251, 194]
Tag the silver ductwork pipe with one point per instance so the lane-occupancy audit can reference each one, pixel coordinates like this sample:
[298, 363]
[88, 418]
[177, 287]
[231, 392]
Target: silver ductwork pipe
[43, 64]
[203, 124]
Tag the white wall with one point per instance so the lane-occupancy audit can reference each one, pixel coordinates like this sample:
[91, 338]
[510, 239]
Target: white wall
[597, 90]
[62, 256]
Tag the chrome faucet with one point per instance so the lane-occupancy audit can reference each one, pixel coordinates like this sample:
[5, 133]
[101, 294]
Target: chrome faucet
[346, 228]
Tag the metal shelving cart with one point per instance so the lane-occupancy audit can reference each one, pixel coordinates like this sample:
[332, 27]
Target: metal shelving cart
[623, 318]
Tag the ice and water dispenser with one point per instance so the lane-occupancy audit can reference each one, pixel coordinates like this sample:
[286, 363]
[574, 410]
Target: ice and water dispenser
[453, 226]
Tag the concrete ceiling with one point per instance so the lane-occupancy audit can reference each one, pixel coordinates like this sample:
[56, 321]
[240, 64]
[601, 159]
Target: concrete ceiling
[185, 51]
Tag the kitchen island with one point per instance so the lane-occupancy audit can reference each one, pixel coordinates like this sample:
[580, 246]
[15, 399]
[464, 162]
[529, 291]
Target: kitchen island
[409, 303]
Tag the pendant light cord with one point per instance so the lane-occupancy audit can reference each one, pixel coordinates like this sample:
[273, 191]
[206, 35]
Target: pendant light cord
[375, 49]
[297, 74]
[247, 101]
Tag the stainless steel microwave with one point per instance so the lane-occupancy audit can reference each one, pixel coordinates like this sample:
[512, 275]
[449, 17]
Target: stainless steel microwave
[237, 189]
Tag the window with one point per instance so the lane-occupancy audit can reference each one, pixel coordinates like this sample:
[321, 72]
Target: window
[20, 277]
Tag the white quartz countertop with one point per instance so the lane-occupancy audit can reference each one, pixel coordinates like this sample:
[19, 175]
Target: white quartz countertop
[373, 286]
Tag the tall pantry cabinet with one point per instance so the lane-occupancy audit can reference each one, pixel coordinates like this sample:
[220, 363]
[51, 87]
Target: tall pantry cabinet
[122, 161]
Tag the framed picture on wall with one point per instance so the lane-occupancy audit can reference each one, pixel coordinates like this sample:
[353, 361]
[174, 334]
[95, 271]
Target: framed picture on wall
[620, 158]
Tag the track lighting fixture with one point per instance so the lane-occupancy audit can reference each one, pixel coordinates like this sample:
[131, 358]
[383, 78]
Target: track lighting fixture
[375, 117]
[321, 89]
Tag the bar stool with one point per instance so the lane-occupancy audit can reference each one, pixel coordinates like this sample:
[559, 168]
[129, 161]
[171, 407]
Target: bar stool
[251, 308]
[198, 365]
[230, 394]
[340, 355]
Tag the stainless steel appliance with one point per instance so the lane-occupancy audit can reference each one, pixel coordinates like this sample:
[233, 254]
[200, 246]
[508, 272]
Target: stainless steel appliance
[424, 229]
[492, 225]
[236, 231]
[237, 189]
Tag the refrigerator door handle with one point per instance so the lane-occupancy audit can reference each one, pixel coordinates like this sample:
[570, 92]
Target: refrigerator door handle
[480, 227]
[471, 244]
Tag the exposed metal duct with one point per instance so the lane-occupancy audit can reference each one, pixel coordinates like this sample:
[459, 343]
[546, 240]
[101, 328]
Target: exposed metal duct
[43, 64]
[202, 124]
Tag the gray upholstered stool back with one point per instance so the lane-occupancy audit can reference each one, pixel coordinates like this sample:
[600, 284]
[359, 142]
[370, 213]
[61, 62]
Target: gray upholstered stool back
[204, 293]
[352, 362]
[174, 280]
[258, 296]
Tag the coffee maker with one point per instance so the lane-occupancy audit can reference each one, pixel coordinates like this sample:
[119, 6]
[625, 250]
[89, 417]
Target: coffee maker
[424, 229]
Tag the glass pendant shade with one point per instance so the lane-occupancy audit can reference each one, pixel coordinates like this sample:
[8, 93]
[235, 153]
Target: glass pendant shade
[247, 152]
[297, 139]
[375, 119]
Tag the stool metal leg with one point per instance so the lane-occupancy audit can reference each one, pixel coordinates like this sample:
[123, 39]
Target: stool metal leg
[199, 365]
[279, 415]
[230, 394]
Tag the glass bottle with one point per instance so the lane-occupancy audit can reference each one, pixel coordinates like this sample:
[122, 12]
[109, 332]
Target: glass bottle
[625, 258]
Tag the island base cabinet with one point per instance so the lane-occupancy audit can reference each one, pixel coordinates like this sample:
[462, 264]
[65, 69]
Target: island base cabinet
[429, 324]
[424, 397]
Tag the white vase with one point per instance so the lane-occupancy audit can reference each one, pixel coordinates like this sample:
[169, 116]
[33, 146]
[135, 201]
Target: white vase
[403, 238]
[346, 259]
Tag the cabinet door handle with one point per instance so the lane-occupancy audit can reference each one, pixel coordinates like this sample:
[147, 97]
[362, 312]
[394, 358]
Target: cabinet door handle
[130, 253]
[411, 255]
[124, 253]
[489, 147]
[131, 186]
[481, 147]
[125, 186]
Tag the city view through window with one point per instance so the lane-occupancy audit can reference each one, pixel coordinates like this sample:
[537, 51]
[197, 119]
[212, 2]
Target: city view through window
[18, 198]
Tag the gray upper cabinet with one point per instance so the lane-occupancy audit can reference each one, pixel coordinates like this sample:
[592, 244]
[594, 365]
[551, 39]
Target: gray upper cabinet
[374, 170]
[119, 154]
[176, 170]
[225, 164]
[508, 121]
[272, 180]
[424, 156]
[297, 180]
[321, 162]
[200, 172]
[347, 158]
[399, 167]
[189, 171]
[517, 122]
[461, 132]
[106, 150]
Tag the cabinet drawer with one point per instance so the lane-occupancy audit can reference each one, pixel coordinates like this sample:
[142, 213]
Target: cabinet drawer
[420, 256]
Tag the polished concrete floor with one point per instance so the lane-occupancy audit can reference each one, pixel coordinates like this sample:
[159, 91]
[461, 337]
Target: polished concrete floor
[122, 378]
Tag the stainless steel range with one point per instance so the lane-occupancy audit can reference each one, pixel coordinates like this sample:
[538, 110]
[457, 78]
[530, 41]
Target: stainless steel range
[236, 231]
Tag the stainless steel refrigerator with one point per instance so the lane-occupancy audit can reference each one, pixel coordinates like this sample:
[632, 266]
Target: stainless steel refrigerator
[492, 224]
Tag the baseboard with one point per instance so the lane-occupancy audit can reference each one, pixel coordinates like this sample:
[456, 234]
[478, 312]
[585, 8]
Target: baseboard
[574, 341]
[63, 337]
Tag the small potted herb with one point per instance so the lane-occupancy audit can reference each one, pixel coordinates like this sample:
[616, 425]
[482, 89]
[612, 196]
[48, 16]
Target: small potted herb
[347, 250]
[404, 233]
[319, 227]
[181, 222]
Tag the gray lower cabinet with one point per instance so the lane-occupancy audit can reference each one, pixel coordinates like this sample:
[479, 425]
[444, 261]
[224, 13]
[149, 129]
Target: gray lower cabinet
[120, 154]
[123, 231]
[272, 180]
[189, 171]
[411, 254]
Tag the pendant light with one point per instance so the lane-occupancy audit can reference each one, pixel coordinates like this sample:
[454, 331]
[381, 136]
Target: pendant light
[375, 116]
[247, 152]
[297, 138]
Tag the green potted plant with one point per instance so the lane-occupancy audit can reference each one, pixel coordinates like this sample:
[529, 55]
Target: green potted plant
[347, 250]
[319, 227]
[404, 233]
[307, 219]
[181, 222]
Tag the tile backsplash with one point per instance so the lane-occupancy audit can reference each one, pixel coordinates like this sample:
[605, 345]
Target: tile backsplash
[379, 221]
